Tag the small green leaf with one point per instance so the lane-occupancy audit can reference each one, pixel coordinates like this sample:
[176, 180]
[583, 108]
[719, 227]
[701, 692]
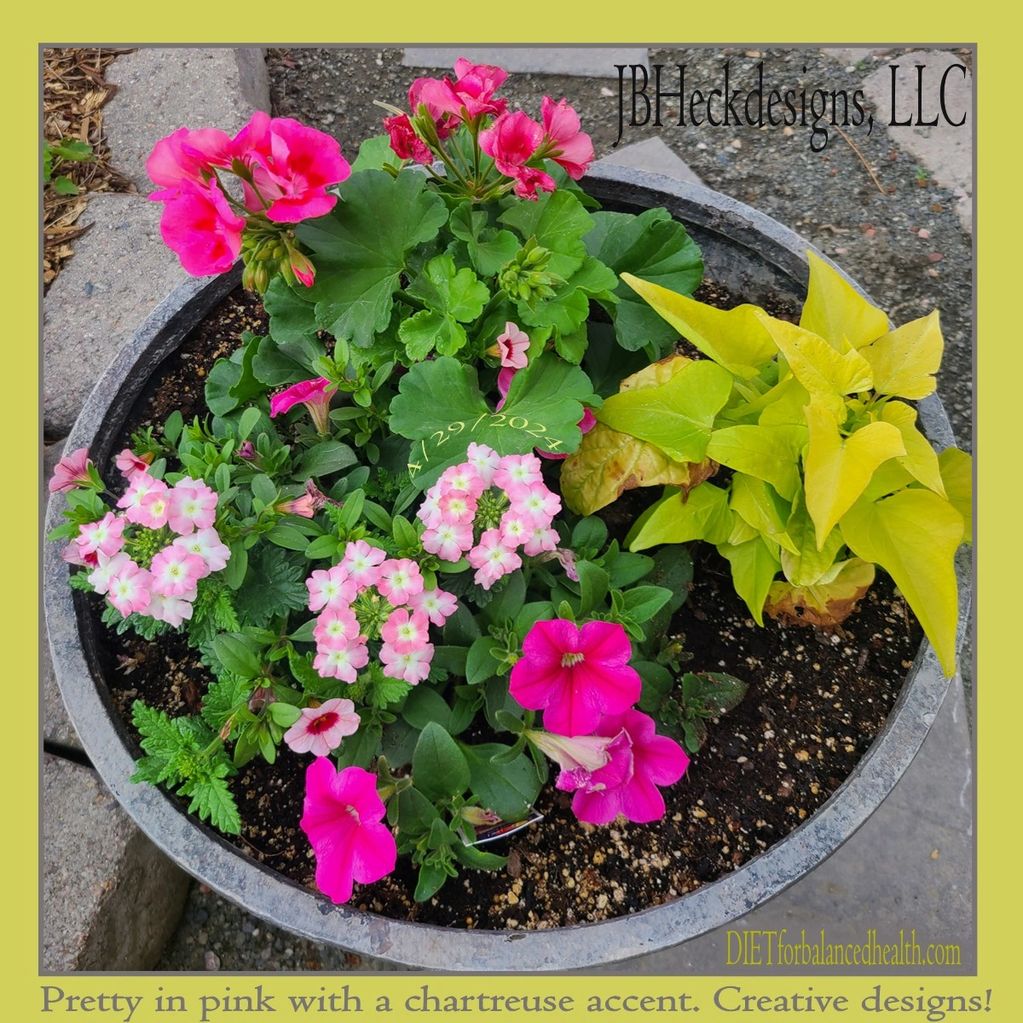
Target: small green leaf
[438, 766]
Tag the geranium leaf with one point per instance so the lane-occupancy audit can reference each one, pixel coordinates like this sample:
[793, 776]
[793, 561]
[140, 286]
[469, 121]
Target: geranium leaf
[489, 248]
[543, 409]
[558, 222]
[362, 247]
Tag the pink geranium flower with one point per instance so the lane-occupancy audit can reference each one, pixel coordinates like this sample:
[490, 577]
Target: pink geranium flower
[200, 226]
[206, 543]
[513, 140]
[399, 579]
[314, 394]
[436, 97]
[473, 90]
[129, 590]
[341, 818]
[321, 729]
[191, 505]
[105, 536]
[292, 165]
[640, 761]
[567, 145]
[71, 471]
[512, 347]
[128, 463]
[188, 156]
[575, 676]
[176, 573]
[407, 145]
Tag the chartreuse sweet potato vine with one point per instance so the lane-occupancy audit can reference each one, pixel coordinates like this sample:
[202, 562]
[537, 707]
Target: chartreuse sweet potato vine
[831, 475]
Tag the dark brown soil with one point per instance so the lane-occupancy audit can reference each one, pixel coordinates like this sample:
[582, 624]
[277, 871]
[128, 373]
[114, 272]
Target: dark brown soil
[815, 703]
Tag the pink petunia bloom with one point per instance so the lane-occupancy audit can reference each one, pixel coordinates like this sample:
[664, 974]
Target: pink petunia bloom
[362, 562]
[438, 605]
[176, 573]
[341, 817]
[412, 666]
[567, 145]
[292, 165]
[206, 543]
[128, 463]
[314, 394]
[406, 632]
[188, 156]
[335, 627]
[129, 590]
[511, 140]
[512, 347]
[449, 541]
[492, 559]
[191, 505]
[105, 536]
[140, 485]
[71, 471]
[172, 610]
[106, 569]
[199, 225]
[641, 760]
[399, 579]
[575, 676]
[342, 662]
[330, 587]
[405, 143]
[321, 729]
[153, 510]
[484, 460]
[577, 757]
[518, 471]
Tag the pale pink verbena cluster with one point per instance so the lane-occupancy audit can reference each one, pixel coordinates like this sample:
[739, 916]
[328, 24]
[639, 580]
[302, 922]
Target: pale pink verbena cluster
[370, 596]
[186, 547]
[489, 508]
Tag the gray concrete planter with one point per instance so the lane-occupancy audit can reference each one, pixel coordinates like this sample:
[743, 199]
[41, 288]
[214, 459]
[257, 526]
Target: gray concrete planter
[753, 256]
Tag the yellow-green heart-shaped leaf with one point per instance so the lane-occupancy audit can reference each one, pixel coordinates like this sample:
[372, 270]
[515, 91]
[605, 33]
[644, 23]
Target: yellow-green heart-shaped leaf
[769, 453]
[920, 459]
[957, 475]
[754, 566]
[837, 471]
[836, 311]
[757, 504]
[735, 338]
[904, 362]
[913, 535]
[678, 517]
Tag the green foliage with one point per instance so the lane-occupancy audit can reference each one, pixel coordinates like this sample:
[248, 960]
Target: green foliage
[275, 584]
[56, 155]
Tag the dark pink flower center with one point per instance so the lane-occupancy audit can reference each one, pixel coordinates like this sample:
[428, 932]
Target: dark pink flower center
[570, 660]
[323, 723]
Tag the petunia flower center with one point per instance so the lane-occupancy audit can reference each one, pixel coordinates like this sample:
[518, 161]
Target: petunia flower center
[323, 723]
[570, 660]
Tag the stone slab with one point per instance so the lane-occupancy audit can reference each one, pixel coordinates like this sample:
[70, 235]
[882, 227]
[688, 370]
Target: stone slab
[162, 88]
[57, 727]
[946, 151]
[651, 155]
[110, 898]
[588, 61]
[120, 271]
[910, 866]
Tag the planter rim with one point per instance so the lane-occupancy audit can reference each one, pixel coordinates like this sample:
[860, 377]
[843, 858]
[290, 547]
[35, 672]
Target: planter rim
[207, 856]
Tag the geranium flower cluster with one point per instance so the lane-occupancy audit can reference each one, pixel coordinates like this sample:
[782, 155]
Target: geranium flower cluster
[610, 754]
[169, 530]
[368, 596]
[285, 170]
[489, 508]
[517, 143]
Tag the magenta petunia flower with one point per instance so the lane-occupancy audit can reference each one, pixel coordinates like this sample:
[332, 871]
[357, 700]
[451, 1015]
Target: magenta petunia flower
[575, 676]
[640, 761]
[321, 729]
[341, 818]
[314, 394]
[71, 471]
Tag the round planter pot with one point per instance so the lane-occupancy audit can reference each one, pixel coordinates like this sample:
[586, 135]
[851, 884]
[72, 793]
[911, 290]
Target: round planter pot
[752, 256]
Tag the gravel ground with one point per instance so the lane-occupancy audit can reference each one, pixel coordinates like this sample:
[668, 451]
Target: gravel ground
[905, 245]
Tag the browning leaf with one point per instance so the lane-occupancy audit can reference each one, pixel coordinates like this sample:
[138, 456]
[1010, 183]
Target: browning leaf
[824, 604]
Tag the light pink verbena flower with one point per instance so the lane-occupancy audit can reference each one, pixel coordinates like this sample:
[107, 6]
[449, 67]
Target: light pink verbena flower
[140, 485]
[567, 145]
[206, 543]
[628, 784]
[575, 676]
[172, 610]
[104, 536]
[191, 505]
[406, 632]
[493, 559]
[412, 666]
[342, 662]
[330, 587]
[341, 818]
[199, 225]
[362, 563]
[71, 471]
[292, 165]
[438, 605]
[129, 589]
[399, 580]
[176, 573]
[106, 569]
[321, 729]
[335, 627]
[153, 509]
[314, 394]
